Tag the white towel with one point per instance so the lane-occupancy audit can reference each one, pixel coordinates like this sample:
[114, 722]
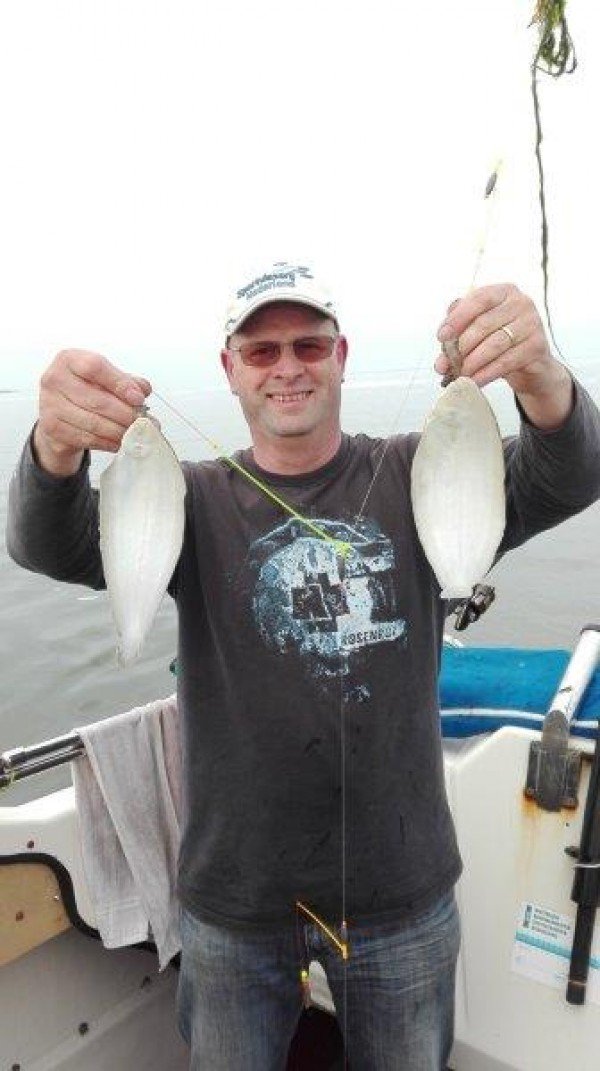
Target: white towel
[128, 791]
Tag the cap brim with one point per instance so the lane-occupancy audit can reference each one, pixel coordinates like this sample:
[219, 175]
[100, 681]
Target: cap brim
[291, 296]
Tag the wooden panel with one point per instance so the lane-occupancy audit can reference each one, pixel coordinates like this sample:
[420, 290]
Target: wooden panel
[31, 909]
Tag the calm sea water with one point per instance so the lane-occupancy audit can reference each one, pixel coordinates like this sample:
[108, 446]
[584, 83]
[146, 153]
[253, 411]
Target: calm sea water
[57, 642]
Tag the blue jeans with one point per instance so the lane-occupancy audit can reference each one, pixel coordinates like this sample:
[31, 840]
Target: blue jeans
[239, 995]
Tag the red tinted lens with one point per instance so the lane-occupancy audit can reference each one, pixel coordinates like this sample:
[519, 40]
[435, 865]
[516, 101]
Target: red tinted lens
[260, 354]
[265, 354]
[313, 349]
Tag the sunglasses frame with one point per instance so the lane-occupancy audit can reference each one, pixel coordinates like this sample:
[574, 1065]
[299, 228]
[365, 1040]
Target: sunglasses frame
[280, 346]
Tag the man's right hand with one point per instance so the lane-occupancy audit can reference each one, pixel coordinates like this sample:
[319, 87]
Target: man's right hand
[85, 404]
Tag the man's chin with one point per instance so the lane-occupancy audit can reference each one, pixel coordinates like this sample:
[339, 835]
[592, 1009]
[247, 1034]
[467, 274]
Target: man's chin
[289, 430]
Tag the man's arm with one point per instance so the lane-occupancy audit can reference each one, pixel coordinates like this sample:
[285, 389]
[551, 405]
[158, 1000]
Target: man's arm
[85, 403]
[552, 474]
[52, 525]
[553, 467]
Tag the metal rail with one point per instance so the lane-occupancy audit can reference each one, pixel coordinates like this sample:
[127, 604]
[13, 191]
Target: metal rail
[23, 762]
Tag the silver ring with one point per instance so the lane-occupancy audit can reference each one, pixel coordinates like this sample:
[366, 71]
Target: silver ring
[510, 334]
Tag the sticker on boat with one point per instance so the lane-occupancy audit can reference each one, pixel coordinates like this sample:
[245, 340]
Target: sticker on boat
[542, 949]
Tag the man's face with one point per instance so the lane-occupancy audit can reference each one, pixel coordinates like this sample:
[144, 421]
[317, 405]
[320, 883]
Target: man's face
[291, 398]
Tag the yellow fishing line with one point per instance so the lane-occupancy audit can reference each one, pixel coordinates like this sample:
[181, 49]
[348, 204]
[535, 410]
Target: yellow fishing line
[341, 546]
[342, 946]
[489, 201]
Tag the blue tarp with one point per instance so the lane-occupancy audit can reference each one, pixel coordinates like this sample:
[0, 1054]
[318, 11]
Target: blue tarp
[517, 683]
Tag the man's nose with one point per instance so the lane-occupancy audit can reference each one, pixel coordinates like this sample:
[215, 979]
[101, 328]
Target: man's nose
[288, 363]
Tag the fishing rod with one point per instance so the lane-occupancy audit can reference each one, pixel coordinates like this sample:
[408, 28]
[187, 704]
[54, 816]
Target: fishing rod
[552, 781]
[586, 887]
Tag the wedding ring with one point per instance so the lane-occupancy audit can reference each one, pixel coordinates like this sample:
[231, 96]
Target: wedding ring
[510, 334]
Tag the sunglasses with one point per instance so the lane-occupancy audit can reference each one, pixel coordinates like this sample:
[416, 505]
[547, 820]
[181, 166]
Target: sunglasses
[265, 354]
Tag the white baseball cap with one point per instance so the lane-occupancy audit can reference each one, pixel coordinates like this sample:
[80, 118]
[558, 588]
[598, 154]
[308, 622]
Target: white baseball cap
[280, 282]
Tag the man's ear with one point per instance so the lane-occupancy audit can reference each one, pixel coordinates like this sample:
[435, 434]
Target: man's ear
[227, 363]
[342, 352]
[229, 368]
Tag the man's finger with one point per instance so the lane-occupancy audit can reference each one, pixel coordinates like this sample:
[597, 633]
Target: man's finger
[519, 316]
[143, 384]
[470, 307]
[442, 364]
[96, 369]
[60, 435]
[130, 391]
[93, 400]
[499, 368]
[136, 390]
[82, 427]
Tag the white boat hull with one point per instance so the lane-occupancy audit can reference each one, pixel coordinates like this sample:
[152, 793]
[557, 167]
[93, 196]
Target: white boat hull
[67, 1004]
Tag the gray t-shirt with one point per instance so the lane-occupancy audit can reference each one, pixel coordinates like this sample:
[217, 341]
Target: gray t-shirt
[295, 662]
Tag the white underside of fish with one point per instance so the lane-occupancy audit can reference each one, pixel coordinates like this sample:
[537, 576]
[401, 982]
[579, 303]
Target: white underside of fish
[141, 530]
[457, 488]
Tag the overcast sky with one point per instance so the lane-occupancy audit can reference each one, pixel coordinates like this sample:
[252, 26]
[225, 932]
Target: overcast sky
[154, 153]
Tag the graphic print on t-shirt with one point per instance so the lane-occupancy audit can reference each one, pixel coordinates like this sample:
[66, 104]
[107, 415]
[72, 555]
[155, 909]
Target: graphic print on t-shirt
[309, 598]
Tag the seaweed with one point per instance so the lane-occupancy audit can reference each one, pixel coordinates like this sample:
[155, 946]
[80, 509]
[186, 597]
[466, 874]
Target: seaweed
[555, 56]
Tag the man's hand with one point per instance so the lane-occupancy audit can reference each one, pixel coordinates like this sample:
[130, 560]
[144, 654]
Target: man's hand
[500, 336]
[85, 403]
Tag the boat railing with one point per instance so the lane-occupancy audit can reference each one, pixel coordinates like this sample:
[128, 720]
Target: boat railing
[21, 762]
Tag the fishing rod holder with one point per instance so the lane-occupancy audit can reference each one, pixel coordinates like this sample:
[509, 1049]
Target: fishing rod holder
[554, 769]
[22, 762]
[553, 772]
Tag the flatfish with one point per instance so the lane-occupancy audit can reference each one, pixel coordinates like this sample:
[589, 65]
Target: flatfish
[141, 530]
[457, 488]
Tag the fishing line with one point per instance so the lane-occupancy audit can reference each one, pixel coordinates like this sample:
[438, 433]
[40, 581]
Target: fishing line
[341, 546]
[342, 549]
[481, 245]
[343, 831]
[489, 203]
[341, 945]
[303, 954]
[480, 251]
[387, 441]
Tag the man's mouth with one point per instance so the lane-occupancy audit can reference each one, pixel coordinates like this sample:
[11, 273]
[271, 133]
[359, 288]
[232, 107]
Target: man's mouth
[289, 398]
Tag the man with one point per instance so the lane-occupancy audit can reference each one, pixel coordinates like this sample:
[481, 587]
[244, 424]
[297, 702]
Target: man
[310, 630]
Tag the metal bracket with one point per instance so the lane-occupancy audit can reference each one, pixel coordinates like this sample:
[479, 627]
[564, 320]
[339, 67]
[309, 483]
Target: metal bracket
[553, 776]
[554, 769]
[471, 610]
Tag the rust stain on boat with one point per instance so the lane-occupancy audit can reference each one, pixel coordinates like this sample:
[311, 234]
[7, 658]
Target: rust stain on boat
[542, 835]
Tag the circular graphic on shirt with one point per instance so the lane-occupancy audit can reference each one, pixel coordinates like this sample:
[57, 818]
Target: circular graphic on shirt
[326, 606]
